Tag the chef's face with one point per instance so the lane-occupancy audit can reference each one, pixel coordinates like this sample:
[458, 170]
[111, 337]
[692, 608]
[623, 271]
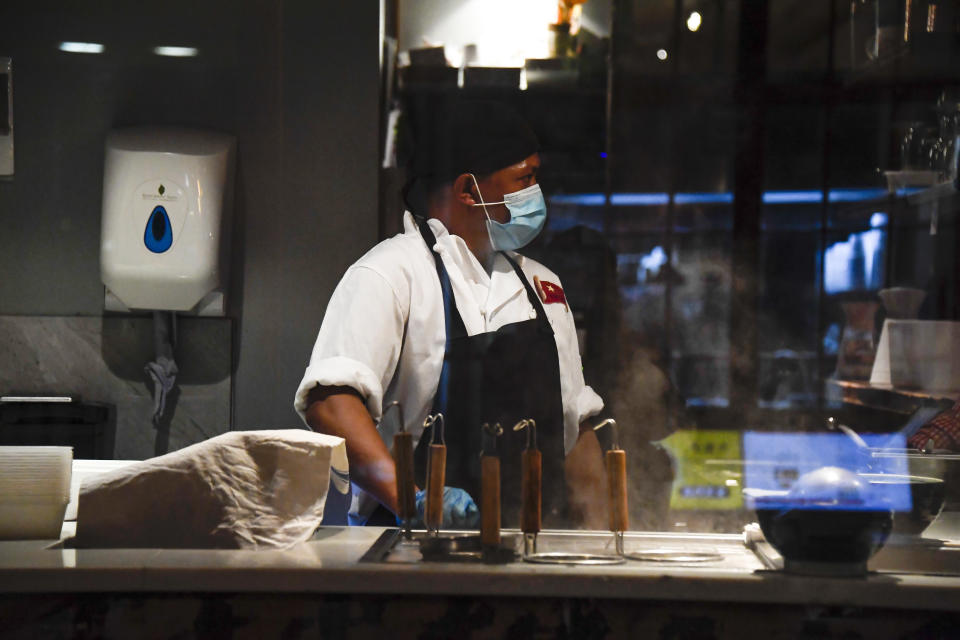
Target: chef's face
[507, 180]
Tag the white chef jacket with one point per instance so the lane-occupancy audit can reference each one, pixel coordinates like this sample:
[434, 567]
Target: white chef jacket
[383, 332]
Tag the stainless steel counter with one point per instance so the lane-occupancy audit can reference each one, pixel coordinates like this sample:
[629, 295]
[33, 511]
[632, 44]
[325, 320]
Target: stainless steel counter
[330, 563]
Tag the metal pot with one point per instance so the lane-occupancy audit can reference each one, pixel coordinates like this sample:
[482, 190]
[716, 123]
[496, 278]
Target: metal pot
[941, 466]
[825, 524]
[926, 498]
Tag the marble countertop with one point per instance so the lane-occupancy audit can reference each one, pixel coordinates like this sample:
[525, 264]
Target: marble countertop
[331, 563]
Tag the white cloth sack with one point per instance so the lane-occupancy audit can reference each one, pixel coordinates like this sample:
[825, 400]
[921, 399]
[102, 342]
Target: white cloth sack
[239, 490]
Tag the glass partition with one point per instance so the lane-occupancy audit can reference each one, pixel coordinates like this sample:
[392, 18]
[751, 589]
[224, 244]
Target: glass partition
[731, 186]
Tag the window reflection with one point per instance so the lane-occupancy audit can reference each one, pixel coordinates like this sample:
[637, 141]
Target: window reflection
[779, 468]
[734, 182]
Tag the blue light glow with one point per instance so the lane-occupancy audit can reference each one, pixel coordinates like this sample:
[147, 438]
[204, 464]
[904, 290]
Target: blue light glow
[585, 199]
[855, 195]
[908, 191]
[807, 196]
[654, 260]
[792, 197]
[878, 219]
[639, 199]
[703, 198]
[854, 263]
[776, 467]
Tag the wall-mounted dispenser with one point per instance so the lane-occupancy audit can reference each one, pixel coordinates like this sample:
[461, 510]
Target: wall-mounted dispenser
[166, 220]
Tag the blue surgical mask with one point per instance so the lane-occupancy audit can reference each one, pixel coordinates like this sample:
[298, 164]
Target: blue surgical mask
[528, 213]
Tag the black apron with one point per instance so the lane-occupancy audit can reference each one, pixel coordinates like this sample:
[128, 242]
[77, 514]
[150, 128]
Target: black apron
[503, 376]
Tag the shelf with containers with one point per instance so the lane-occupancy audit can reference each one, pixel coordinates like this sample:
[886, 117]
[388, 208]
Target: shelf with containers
[919, 241]
[904, 402]
[917, 247]
[790, 159]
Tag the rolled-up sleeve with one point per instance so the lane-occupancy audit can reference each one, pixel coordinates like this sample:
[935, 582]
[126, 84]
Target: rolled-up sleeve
[589, 403]
[359, 340]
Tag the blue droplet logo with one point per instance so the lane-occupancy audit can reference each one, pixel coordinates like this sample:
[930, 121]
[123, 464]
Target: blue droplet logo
[158, 236]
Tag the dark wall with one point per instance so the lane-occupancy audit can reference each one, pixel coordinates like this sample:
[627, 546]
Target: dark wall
[321, 211]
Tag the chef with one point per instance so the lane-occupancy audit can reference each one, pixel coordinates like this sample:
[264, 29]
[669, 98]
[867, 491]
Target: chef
[447, 317]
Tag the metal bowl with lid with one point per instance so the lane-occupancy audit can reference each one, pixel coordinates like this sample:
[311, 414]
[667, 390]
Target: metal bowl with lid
[823, 525]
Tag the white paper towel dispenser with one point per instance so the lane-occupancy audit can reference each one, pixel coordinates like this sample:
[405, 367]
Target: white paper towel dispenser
[166, 220]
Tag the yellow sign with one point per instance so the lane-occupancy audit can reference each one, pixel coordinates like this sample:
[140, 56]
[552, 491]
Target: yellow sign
[709, 469]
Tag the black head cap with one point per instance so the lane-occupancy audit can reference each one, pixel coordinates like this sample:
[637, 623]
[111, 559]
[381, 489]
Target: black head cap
[474, 136]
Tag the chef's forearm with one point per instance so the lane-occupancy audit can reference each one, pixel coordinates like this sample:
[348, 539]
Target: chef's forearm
[586, 492]
[340, 411]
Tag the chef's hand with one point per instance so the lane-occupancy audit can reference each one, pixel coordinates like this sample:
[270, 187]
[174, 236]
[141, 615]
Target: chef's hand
[459, 509]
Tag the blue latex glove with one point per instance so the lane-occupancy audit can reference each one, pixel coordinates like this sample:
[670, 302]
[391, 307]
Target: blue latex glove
[459, 509]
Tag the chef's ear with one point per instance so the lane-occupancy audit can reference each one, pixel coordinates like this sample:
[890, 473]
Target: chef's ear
[465, 190]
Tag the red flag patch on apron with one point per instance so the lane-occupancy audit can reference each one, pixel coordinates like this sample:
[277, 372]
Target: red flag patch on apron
[550, 292]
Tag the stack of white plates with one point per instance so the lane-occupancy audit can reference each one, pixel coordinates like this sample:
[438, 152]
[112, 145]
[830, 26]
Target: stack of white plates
[34, 491]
